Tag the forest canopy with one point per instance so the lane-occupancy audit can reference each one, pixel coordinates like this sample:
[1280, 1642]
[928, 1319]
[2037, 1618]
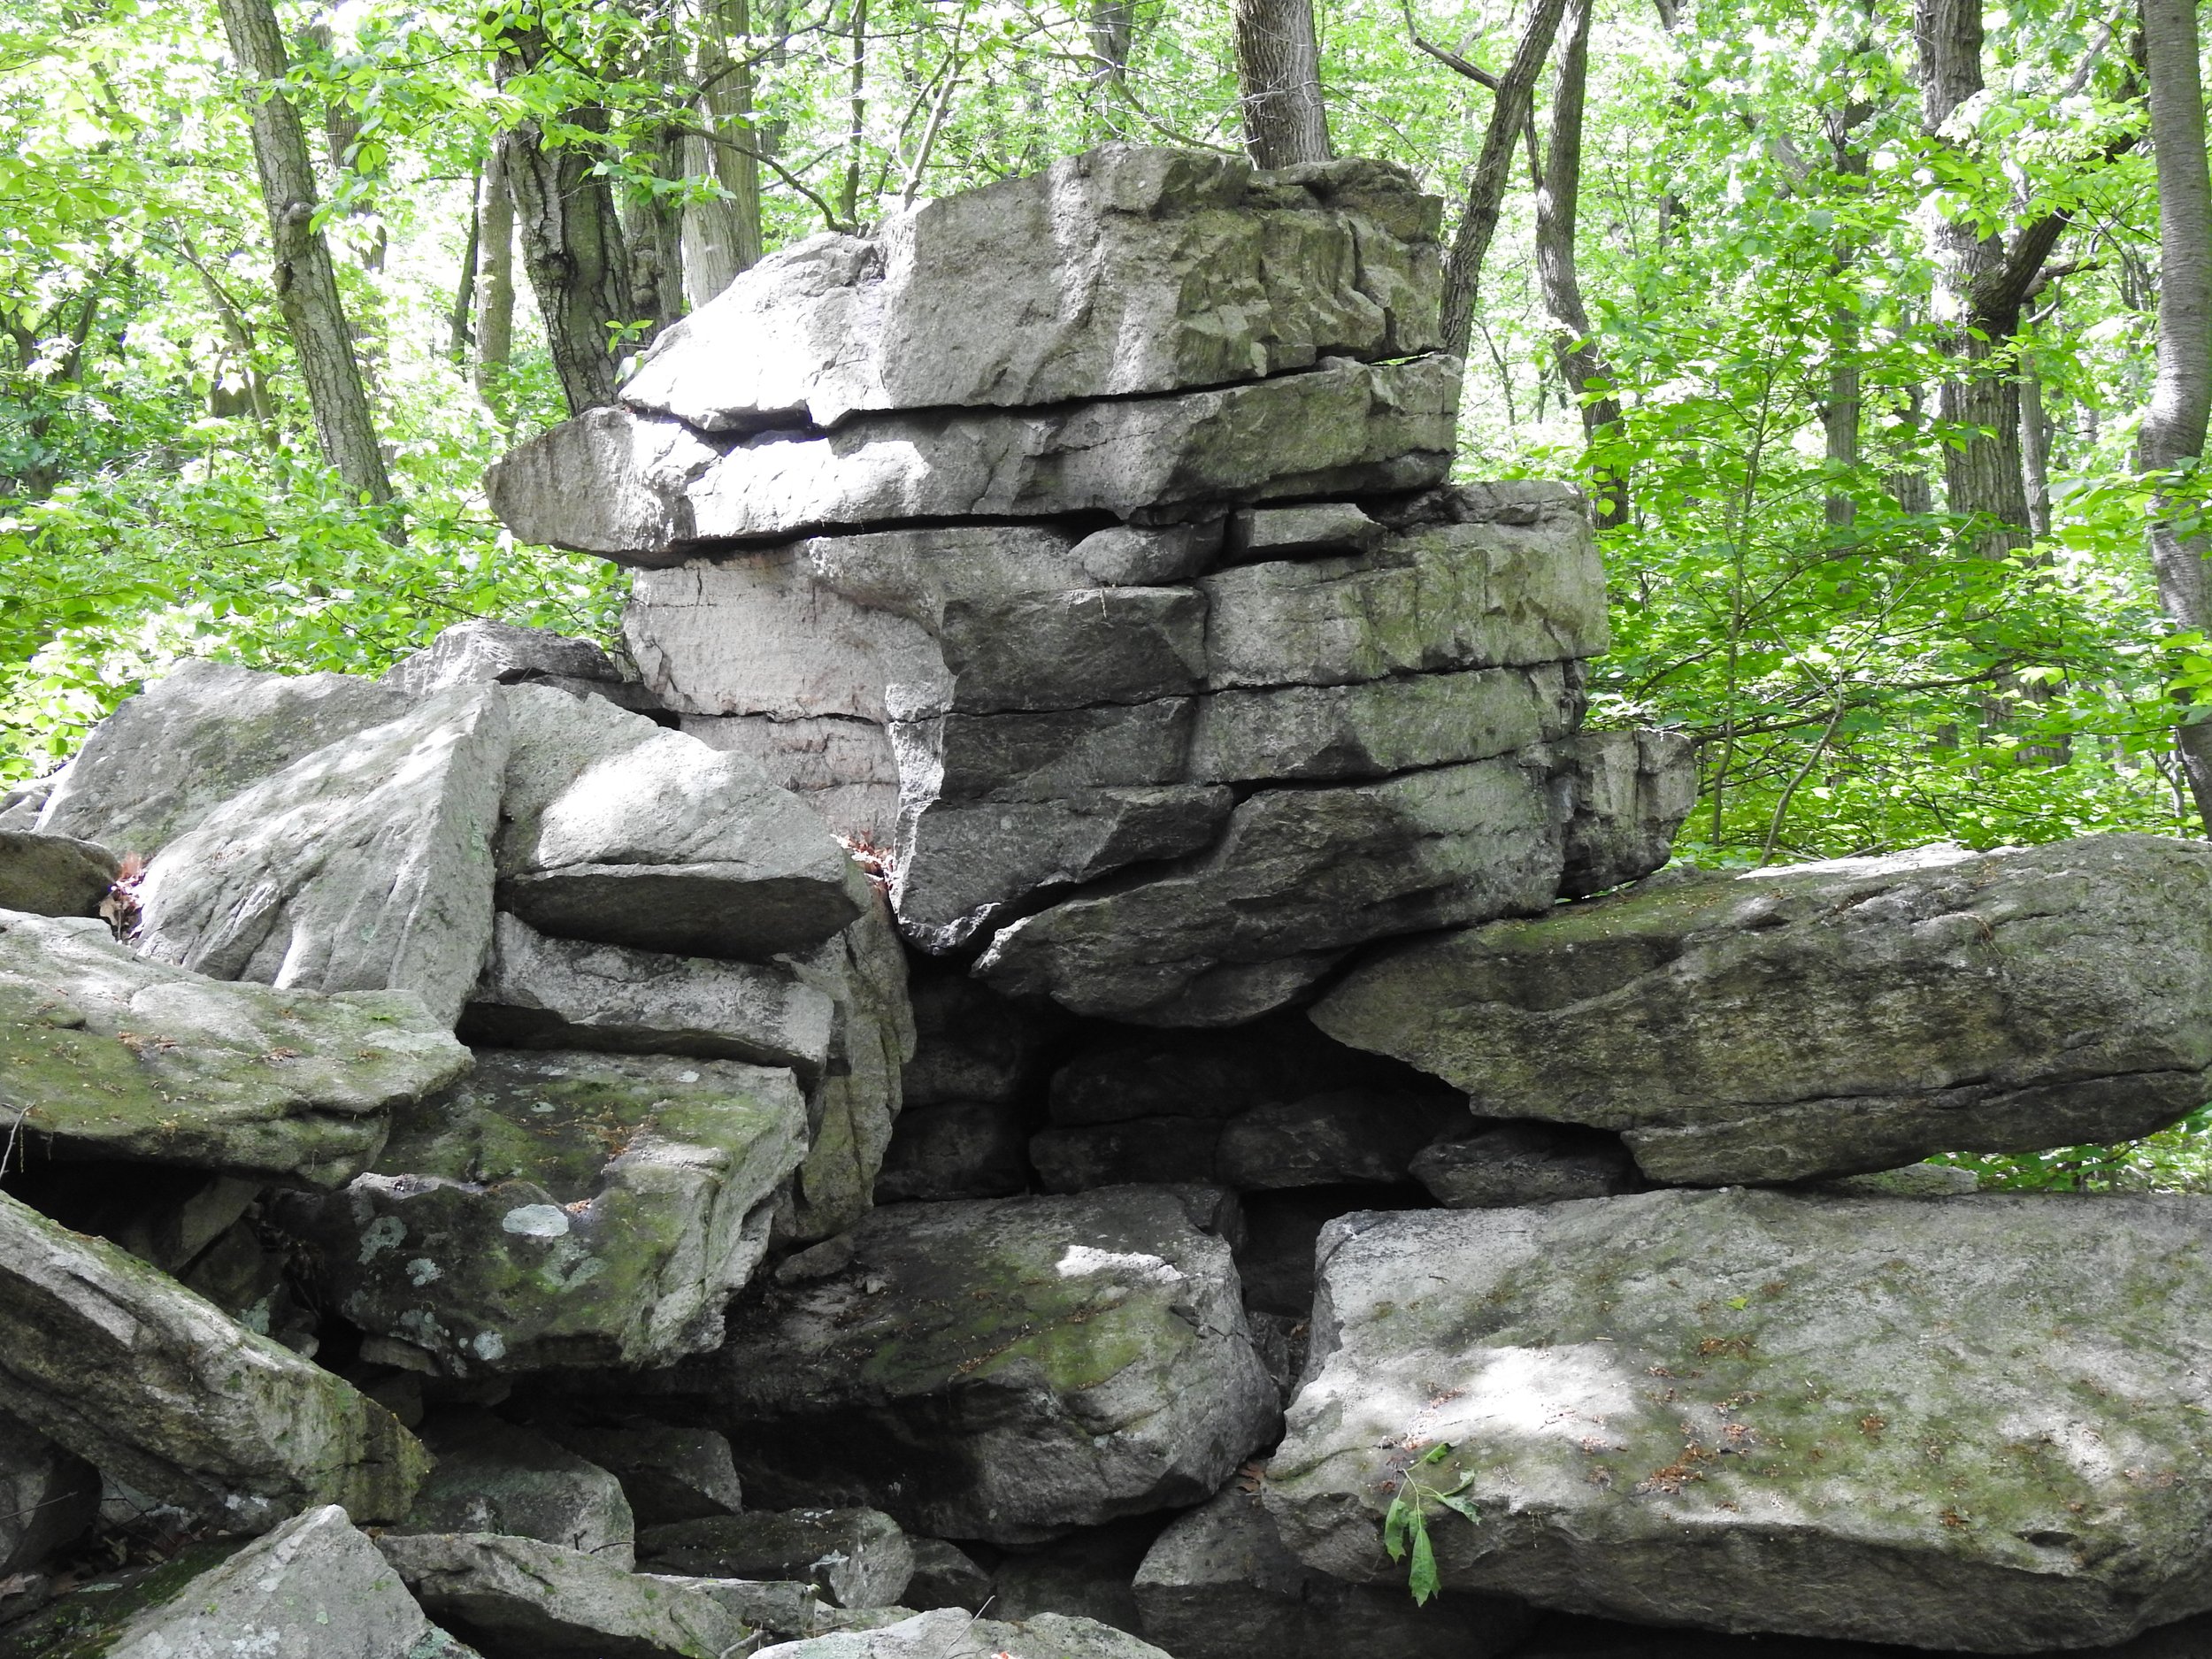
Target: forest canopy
[1846, 314]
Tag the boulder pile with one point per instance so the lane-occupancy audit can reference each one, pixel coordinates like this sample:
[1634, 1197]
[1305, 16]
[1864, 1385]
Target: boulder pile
[1078, 1057]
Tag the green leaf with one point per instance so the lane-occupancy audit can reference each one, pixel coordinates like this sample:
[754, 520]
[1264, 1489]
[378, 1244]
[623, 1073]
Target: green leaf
[1421, 1579]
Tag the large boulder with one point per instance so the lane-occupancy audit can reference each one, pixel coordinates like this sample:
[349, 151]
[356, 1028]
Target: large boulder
[854, 1558]
[559, 1208]
[47, 1496]
[54, 875]
[159, 1389]
[1975, 1425]
[1629, 791]
[483, 649]
[646, 490]
[200, 734]
[1827, 1018]
[668, 1473]
[107, 1054]
[497, 1476]
[953, 1633]
[1121, 270]
[366, 866]
[995, 1369]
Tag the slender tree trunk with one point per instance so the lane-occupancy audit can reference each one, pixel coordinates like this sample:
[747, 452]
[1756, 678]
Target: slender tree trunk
[1278, 82]
[1510, 101]
[1112, 27]
[855, 114]
[465, 290]
[2035, 447]
[722, 237]
[494, 286]
[572, 247]
[2173, 428]
[1582, 364]
[306, 279]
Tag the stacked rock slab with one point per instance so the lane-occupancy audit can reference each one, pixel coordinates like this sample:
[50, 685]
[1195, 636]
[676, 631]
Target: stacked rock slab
[1130, 613]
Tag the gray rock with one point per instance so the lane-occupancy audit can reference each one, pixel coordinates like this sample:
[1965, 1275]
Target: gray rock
[362, 866]
[115, 1361]
[54, 875]
[645, 490]
[1913, 1180]
[482, 650]
[1274, 532]
[622, 833]
[1120, 1075]
[1829, 1018]
[1219, 1584]
[21, 803]
[1142, 1151]
[200, 734]
[517, 1596]
[1995, 1403]
[945, 1576]
[541, 993]
[1147, 555]
[559, 1208]
[495, 1476]
[951, 1633]
[667, 1473]
[107, 1054]
[1631, 791]
[1432, 599]
[1275, 1260]
[314, 1588]
[1298, 878]
[973, 1044]
[955, 1149]
[1121, 270]
[1525, 1164]
[853, 1557]
[1353, 1134]
[842, 769]
[1001, 1369]
[1042, 756]
[1084, 1575]
[48, 1497]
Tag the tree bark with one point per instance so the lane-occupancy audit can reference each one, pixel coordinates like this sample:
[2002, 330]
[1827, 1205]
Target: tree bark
[572, 247]
[494, 286]
[1511, 98]
[722, 237]
[1112, 27]
[856, 112]
[306, 281]
[1278, 84]
[465, 290]
[2173, 428]
[1582, 365]
[2035, 447]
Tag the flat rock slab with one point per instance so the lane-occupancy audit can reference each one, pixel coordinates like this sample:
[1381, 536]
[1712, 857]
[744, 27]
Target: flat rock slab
[953, 1633]
[854, 1558]
[1298, 877]
[1124, 269]
[1530, 1163]
[159, 1389]
[484, 650]
[1981, 1424]
[109, 1054]
[667, 1472]
[998, 1369]
[1630, 791]
[497, 1476]
[1829, 1018]
[618, 832]
[54, 875]
[646, 490]
[366, 866]
[560, 1208]
[196, 737]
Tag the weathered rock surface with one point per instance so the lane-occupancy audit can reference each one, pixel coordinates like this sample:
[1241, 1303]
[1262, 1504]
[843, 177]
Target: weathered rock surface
[108, 1054]
[364, 865]
[200, 734]
[1001, 1369]
[1084, 1575]
[1832, 1017]
[483, 650]
[562, 1209]
[1298, 878]
[855, 1558]
[1219, 1584]
[668, 1473]
[123, 1366]
[47, 1496]
[1631, 791]
[1275, 1257]
[1525, 1164]
[842, 769]
[951, 1633]
[644, 490]
[1998, 1403]
[53, 875]
[972, 1148]
[1122, 270]
[973, 1044]
[541, 993]
[945, 1576]
[492, 1476]
[521, 1598]
[620, 832]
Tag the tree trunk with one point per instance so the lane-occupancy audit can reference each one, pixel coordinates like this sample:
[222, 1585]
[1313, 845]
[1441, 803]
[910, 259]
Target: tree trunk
[856, 113]
[572, 248]
[1509, 105]
[306, 281]
[2035, 448]
[1582, 364]
[495, 286]
[1113, 25]
[2173, 428]
[1278, 82]
[465, 290]
[722, 237]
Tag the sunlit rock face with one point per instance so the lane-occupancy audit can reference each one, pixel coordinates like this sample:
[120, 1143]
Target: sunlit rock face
[1765, 1412]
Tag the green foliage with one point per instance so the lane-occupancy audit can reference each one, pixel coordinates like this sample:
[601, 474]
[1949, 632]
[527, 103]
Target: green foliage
[1406, 1524]
[2177, 1159]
